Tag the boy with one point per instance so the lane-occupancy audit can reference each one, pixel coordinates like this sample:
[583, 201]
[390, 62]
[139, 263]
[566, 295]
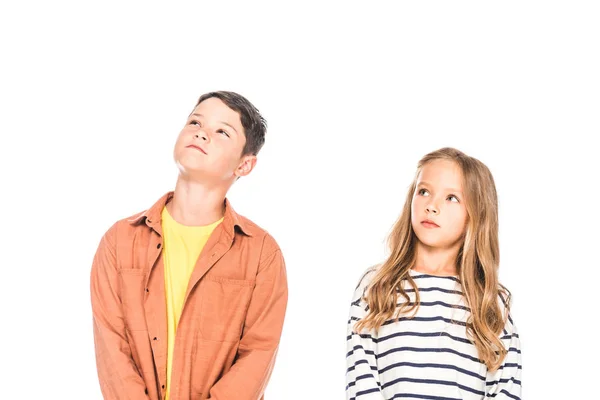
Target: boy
[189, 297]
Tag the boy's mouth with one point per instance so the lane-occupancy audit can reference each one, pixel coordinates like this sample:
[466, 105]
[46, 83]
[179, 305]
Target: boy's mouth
[197, 148]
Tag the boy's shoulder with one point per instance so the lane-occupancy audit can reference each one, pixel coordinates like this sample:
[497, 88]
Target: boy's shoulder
[257, 232]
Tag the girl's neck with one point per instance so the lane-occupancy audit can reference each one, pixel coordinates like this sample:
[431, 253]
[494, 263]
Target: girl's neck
[436, 261]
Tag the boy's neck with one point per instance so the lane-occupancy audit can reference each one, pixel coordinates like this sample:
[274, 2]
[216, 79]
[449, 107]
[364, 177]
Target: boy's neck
[195, 203]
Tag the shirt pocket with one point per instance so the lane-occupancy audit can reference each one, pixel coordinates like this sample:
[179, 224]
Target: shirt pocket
[132, 298]
[224, 305]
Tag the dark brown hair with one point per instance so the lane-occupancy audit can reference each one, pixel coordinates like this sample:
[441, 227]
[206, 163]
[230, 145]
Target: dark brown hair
[255, 126]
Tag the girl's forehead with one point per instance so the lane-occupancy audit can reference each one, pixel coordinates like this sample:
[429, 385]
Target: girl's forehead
[441, 173]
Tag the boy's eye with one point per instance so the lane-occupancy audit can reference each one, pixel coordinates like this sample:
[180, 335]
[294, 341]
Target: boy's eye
[423, 192]
[221, 131]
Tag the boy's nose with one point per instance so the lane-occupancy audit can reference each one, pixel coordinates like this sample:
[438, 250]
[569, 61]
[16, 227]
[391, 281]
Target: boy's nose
[203, 136]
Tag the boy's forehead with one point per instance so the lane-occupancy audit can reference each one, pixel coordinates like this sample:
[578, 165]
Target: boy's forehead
[214, 109]
[215, 106]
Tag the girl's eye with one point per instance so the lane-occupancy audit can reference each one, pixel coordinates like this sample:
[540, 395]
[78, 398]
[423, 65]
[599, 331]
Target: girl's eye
[453, 198]
[423, 192]
[195, 123]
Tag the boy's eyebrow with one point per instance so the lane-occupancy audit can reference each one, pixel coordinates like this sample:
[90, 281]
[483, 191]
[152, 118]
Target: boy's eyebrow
[223, 122]
[447, 189]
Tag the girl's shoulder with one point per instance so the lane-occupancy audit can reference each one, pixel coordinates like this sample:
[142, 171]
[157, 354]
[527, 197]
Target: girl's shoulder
[367, 276]
[504, 298]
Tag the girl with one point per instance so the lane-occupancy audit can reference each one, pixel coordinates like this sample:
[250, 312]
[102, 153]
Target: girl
[432, 322]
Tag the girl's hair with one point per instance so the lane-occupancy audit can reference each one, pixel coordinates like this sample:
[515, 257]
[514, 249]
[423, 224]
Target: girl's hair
[477, 262]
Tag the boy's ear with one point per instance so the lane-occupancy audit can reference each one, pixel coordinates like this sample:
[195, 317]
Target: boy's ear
[246, 166]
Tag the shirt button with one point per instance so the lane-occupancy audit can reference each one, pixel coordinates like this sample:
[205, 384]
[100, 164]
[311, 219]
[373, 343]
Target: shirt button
[155, 338]
[163, 386]
[147, 291]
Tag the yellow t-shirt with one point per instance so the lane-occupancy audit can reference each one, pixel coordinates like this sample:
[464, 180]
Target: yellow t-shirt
[182, 247]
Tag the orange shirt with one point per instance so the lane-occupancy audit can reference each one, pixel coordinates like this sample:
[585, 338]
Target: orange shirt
[230, 325]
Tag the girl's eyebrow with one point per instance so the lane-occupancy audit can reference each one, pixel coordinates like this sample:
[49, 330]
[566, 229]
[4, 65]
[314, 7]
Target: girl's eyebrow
[446, 189]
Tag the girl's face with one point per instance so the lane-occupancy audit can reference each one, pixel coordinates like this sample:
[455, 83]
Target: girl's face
[438, 211]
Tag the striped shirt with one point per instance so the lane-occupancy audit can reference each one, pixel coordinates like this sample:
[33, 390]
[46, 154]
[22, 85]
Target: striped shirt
[428, 356]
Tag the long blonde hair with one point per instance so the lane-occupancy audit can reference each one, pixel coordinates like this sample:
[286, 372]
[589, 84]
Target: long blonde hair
[477, 262]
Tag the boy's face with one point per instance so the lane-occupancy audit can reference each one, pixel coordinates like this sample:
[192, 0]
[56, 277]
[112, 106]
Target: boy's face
[210, 145]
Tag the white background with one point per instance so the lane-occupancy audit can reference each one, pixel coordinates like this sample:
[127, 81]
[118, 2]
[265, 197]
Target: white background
[93, 96]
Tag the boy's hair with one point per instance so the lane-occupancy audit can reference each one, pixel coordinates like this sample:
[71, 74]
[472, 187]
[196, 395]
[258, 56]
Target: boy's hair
[255, 126]
[477, 262]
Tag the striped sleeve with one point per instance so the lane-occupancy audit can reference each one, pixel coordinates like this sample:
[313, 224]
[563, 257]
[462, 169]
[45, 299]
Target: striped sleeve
[362, 377]
[505, 383]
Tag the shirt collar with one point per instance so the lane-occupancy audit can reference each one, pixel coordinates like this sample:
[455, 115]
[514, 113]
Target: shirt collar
[231, 219]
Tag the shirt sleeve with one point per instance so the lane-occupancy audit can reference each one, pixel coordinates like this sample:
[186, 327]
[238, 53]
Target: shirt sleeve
[118, 375]
[362, 377]
[248, 377]
[505, 382]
